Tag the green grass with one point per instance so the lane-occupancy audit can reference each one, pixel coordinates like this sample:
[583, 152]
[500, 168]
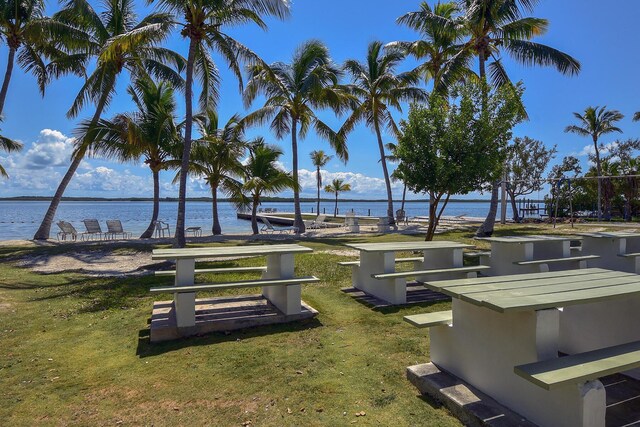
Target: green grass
[75, 350]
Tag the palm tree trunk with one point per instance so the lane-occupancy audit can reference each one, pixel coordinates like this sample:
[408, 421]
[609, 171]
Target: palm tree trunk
[217, 229]
[319, 181]
[433, 219]
[599, 171]
[45, 227]
[335, 209]
[385, 172]
[254, 218]
[156, 205]
[7, 78]
[297, 222]
[180, 241]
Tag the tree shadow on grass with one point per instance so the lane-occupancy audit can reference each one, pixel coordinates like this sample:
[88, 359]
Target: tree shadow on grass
[147, 349]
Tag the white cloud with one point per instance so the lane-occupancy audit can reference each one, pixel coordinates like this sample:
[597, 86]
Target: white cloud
[52, 149]
[589, 150]
[361, 185]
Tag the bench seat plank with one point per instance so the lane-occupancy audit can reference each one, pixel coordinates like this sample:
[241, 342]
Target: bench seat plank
[427, 272]
[398, 260]
[554, 260]
[550, 374]
[427, 320]
[215, 270]
[245, 284]
[631, 255]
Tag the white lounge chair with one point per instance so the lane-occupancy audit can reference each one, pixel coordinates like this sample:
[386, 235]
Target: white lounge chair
[93, 230]
[268, 228]
[66, 230]
[114, 228]
[319, 222]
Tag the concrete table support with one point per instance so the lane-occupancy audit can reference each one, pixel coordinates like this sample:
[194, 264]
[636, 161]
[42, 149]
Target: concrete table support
[286, 298]
[185, 303]
[610, 247]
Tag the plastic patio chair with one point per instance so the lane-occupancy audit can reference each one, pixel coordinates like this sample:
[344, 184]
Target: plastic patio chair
[161, 227]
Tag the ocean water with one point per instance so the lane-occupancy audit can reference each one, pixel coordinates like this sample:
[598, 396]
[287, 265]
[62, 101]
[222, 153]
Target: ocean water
[20, 219]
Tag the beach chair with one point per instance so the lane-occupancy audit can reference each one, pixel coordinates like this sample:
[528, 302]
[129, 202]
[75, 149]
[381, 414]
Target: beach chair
[114, 228]
[401, 217]
[161, 228]
[319, 222]
[268, 228]
[66, 230]
[93, 230]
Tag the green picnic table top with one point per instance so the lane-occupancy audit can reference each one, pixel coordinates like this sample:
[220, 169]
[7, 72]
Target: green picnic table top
[407, 246]
[529, 239]
[225, 251]
[538, 291]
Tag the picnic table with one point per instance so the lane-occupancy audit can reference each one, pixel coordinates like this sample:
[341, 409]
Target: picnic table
[617, 250]
[375, 272]
[529, 254]
[504, 333]
[278, 282]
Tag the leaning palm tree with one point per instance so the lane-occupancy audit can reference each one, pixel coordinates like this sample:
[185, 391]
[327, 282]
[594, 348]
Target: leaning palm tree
[117, 42]
[595, 122]
[336, 187]
[378, 89]
[293, 91]
[150, 132]
[8, 145]
[263, 176]
[216, 157]
[202, 22]
[319, 159]
[497, 26]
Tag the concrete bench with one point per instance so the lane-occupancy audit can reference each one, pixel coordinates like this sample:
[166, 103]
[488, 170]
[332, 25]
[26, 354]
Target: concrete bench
[544, 263]
[631, 255]
[234, 285]
[404, 274]
[428, 320]
[398, 260]
[581, 367]
[215, 270]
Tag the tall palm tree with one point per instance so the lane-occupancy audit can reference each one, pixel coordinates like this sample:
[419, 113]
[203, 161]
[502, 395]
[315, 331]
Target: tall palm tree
[319, 159]
[378, 89]
[117, 42]
[595, 122]
[442, 30]
[496, 26]
[150, 132]
[202, 22]
[397, 175]
[8, 145]
[262, 176]
[216, 156]
[336, 187]
[293, 92]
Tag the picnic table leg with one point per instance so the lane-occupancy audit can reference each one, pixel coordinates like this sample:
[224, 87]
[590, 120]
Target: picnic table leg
[185, 303]
[441, 258]
[287, 299]
[393, 291]
[503, 256]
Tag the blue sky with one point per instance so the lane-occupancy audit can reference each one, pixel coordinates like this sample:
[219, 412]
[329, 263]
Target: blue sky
[602, 38]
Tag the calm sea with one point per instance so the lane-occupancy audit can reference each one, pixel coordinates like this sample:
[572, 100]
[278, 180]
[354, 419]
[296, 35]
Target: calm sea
[20, 219]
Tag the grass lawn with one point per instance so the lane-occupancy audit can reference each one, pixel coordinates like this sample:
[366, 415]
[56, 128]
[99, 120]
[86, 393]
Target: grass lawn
[74, 349]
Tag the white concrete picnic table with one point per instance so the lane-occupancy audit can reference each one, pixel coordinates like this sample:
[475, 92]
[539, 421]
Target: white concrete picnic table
[501, 322]
[280, 265]
[381, 258]
[507, 251]
[617, 250]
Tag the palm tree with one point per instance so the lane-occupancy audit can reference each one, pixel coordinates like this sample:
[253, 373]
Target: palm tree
[216, 156]
[9, 146]
[378, 88]
[202, 22]
[397, 174]
[319, 159]
[262, 176]
[293, 91]
[150, 132]
[116, 42]
[595, 122]
[337, 186]
[495, 26]
[441, 30]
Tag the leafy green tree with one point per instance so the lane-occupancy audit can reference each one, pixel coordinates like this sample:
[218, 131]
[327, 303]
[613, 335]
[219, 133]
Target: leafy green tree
[203, 22]
[596, 122]
[263, 176]
[378, 89]
[563, 183]
[116, 41]
[8, 145]
[396, 175]
[527, 160]
[336, 187]
[150, 132]
[319, 159]
[216, 157]
[627, 165]
[454, 147]
[293, 91]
